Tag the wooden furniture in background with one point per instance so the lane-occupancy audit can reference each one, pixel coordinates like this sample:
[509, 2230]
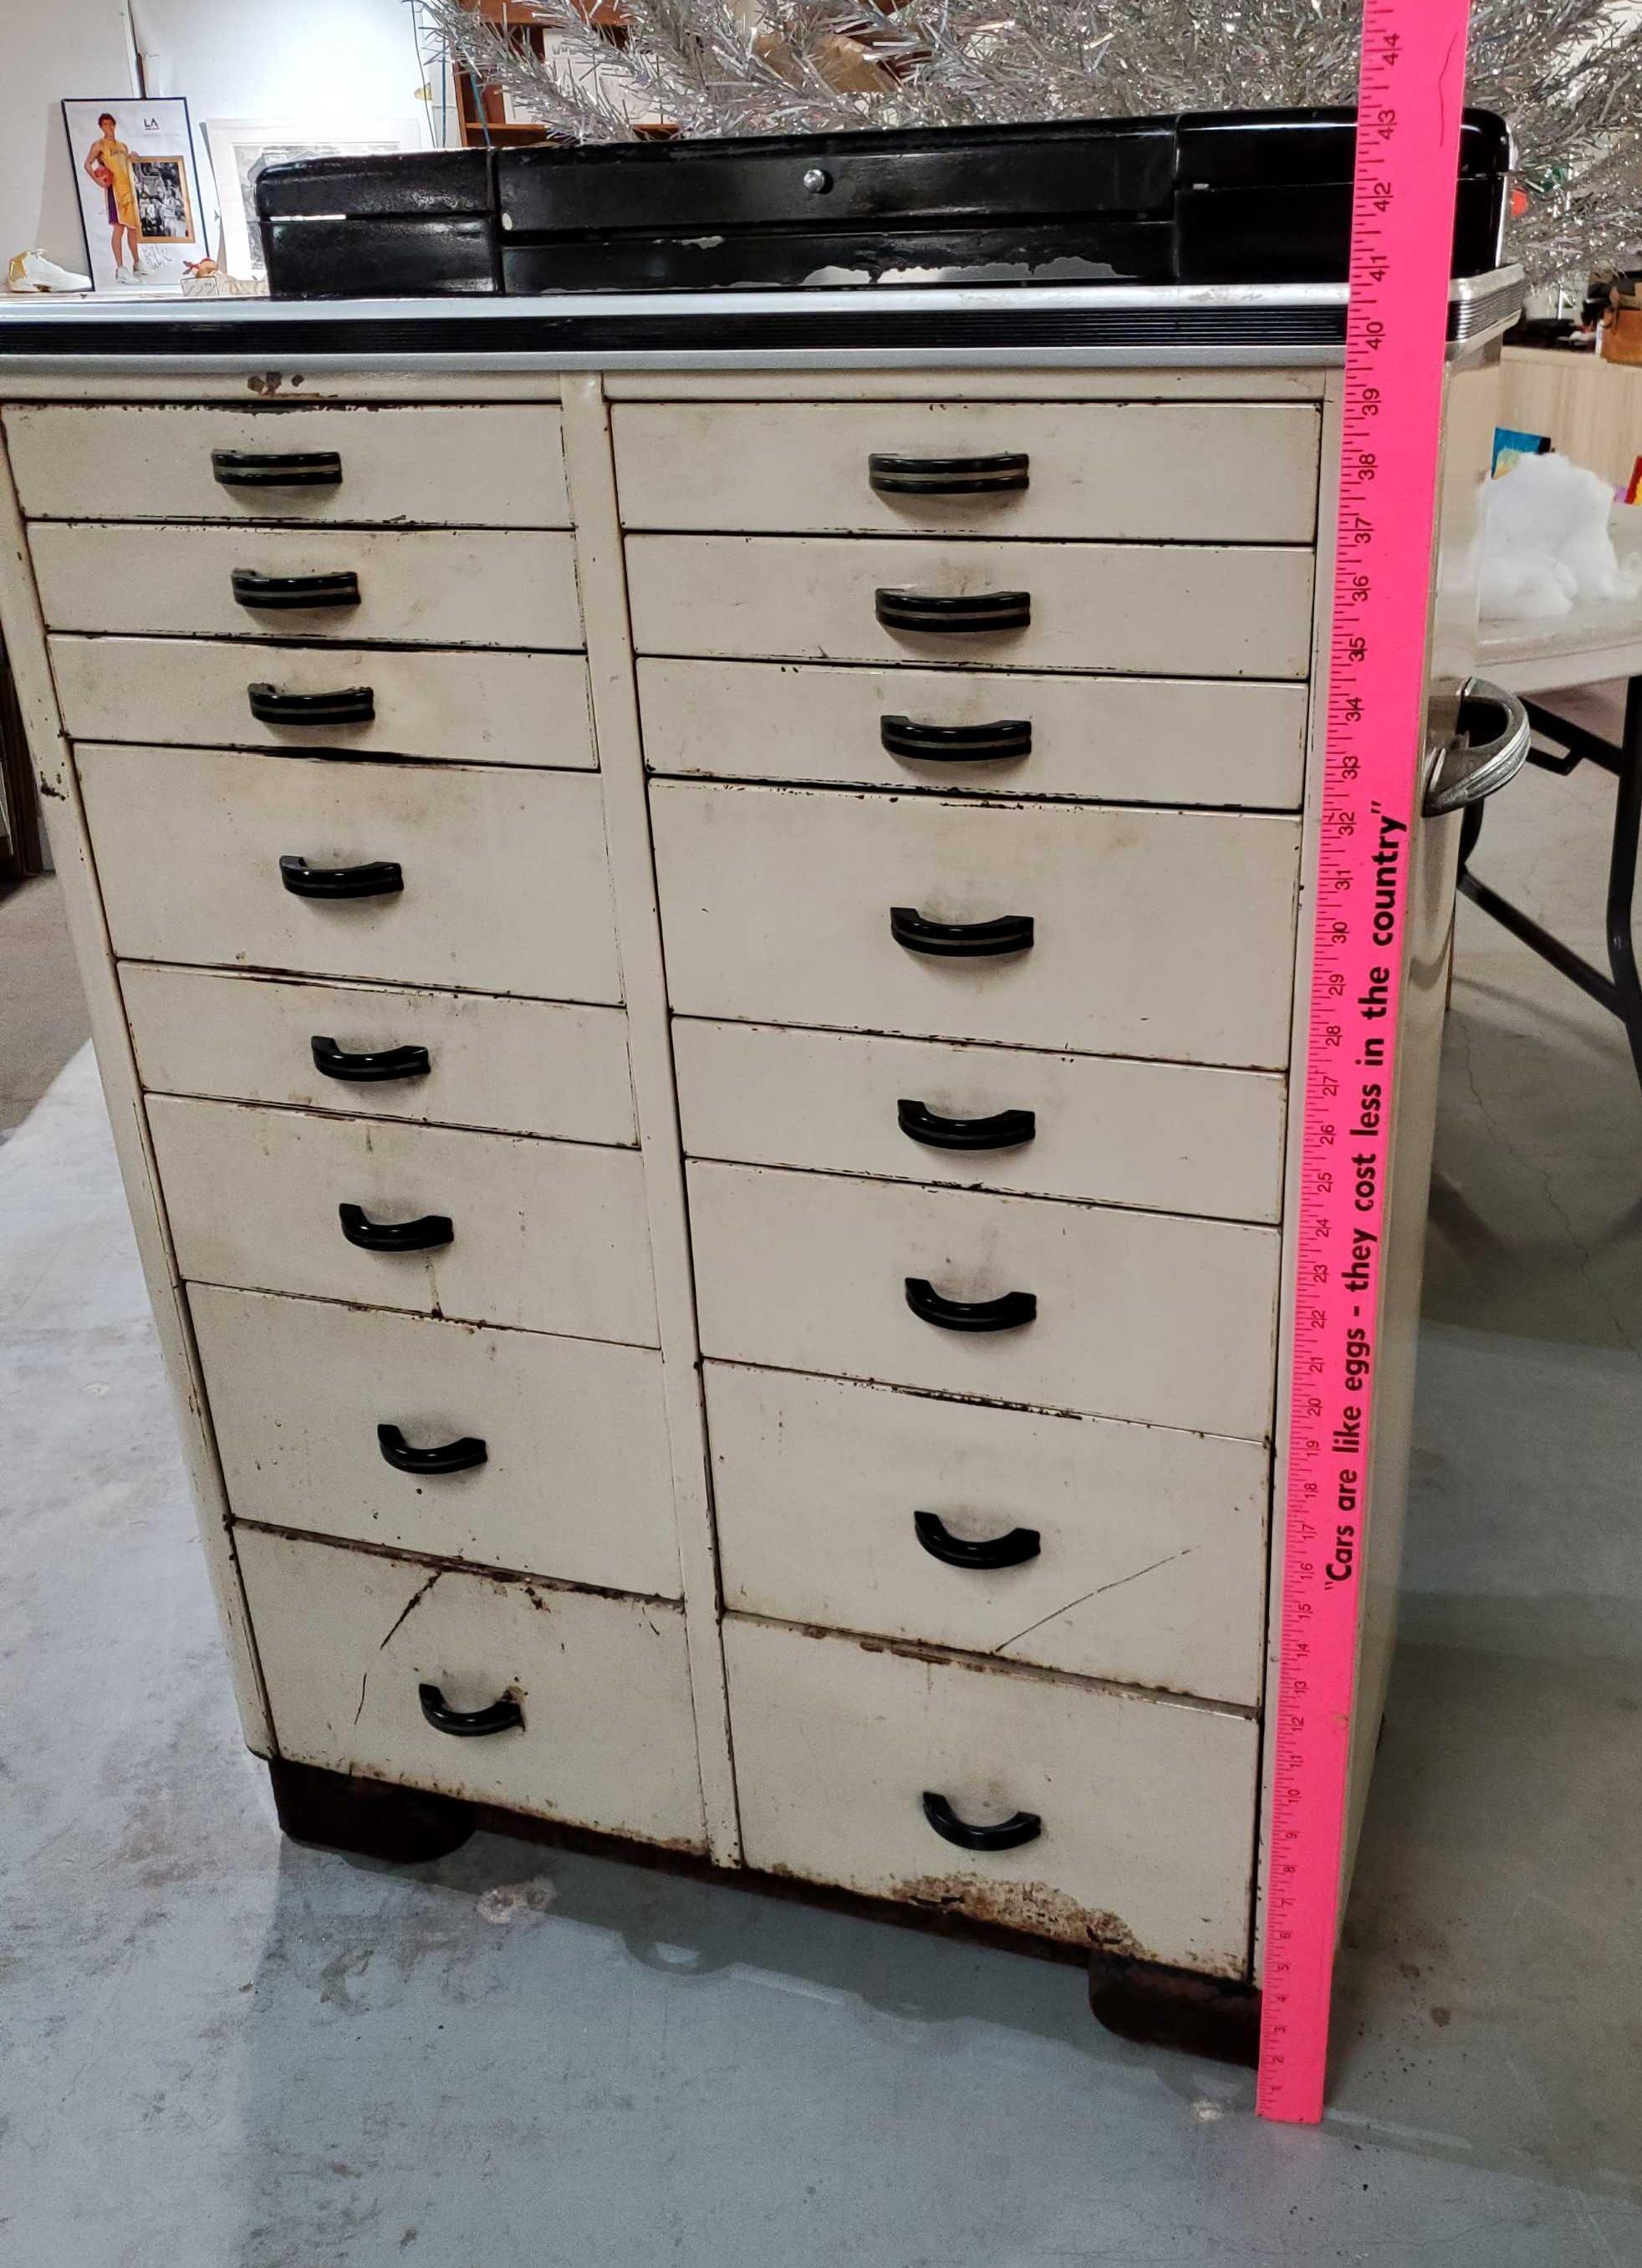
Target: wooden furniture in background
[1591, 407]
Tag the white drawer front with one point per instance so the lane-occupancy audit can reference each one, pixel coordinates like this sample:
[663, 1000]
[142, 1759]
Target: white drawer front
[576, 1483]
[427, 587]
[1171, 1137]
[1158, 610]
[1150, 1567]
[456, 706]
[505, 884]
[1138, 1315]
[499, 466]
[1186, 473]
[549, 1236]
[1156, 933]
[1105, 739]
[519, 1066]
[1147, 1807]
[347, 1639]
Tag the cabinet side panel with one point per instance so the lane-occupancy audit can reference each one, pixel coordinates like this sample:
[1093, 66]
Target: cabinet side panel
[65, 822]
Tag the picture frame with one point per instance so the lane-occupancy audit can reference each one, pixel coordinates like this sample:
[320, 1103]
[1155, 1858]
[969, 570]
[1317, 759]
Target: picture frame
[240, 147]
[139, 190]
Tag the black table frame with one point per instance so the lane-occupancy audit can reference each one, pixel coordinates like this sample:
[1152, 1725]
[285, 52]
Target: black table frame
[1621, 991]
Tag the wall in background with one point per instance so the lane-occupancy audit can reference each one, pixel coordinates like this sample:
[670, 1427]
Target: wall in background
[49, 49]
[323, 63]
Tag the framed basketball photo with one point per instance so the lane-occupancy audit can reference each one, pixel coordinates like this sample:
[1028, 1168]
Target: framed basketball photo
[139, 190]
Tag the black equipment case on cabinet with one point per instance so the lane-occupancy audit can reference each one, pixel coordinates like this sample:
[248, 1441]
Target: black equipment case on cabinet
[1235, 196]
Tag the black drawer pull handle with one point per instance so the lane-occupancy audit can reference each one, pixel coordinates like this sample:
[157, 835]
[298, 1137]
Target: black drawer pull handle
[290, 469]
[1008, 1835]
[426, 1234]
[1006, 1129]
[928, 611]
[381, 878]
[1011, 1551]
[1009, 738]
[468, 1724]
[271, 592]
[983, 940]
[995, 475]
[1006, 1313]
[450, 1457]
[350, 705]
[368, 1067]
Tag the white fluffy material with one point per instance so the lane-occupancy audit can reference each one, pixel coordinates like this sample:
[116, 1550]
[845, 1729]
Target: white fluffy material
[1546, 544]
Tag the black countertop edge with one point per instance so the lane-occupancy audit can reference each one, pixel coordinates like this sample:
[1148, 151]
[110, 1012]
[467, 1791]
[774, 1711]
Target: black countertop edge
[725, 329]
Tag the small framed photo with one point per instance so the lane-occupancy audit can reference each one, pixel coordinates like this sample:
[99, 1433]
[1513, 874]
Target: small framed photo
[139, 192]
[241, 148]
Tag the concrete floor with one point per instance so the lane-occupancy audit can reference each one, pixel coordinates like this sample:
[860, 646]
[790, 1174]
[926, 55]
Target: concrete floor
[222, 2051]
[42, 1009]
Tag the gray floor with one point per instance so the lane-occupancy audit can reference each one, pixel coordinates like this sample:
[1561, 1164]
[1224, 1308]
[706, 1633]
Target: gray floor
[42, 1010]
[222, 2052]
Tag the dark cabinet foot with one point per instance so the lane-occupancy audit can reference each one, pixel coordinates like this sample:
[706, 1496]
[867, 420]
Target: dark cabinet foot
[1163, 2007]
[368, 1816]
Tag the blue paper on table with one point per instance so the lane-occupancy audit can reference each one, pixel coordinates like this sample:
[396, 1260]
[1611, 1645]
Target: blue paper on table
[1510, 445]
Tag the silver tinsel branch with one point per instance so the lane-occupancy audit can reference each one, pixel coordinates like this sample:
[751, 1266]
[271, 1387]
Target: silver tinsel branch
[1566, 73]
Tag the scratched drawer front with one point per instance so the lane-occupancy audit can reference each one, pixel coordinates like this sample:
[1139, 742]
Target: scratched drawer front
[1146, 1546]
[452, 706]
[543, 1236]
[517, 1067]
[500, 465]
[1139, 1315]
[1163, 934]
[1146, 1807]
[1102, 740]
[575, 1482]
[504, 887]
[346, 1640]
[1156, 609]
[421, 586]
[1179, 473]
[1170, 1137]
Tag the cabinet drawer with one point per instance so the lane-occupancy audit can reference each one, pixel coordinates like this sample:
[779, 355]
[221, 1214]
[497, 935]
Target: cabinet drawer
[347, 1639]
[1150, 1566]
[1104, 739]
[548, 1236]
[459, 707]
[505, 888]
[501, 467]
[1173, 610]
[576, 1483]
[1138, 1315]
[1155, 934]
[519, 1066]
[1173, 1136]
[427, 587]
[1190, 473]
[1147, 1807]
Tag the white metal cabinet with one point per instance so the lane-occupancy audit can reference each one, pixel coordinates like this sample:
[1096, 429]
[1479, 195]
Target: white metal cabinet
[350, 1641]
[545, 1237]
[498, 465]
[573, 1483]
[1157, 933]
[840, 1742]
[1093, 605]
[646, 895]
[1144, 1547]
[457, 706]
[504, 884]
[1128, 469]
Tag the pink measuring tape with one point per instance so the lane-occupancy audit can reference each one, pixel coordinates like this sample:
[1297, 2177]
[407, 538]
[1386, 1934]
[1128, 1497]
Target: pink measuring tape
[1411, 91]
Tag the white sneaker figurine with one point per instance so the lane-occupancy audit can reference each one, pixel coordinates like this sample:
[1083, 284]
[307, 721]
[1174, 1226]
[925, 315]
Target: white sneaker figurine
[32, 272]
